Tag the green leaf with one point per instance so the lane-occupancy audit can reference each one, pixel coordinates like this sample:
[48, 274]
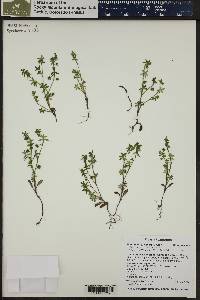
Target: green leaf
[104, 204]
[125, 192]
[117, 193]
[30, 183]
[121, 172]
[42, 110]
[39, 182]
[170, 184]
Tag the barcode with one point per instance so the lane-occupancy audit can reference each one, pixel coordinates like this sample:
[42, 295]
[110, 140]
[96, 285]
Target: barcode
[100, 289]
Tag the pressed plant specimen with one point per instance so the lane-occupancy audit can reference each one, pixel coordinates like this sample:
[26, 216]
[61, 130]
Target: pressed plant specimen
[32, 155]
[149, 91]
[167, 158]
[80, 84]
[90, 184]
[43, 85]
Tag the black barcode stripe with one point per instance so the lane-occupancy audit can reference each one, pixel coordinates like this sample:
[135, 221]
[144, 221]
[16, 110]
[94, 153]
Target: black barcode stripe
[98, 289]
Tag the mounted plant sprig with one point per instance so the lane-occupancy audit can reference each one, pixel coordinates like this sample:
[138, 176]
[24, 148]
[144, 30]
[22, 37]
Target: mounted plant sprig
[149, 91]
[80, 84]
[128, 157]
[90, 185]
[43, 85]
[32, 155]
[167, 157]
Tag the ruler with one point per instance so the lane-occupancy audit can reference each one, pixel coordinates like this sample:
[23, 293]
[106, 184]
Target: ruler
[133, 8]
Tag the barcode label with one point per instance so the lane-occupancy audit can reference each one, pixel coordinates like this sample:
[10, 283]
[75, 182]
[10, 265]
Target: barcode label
[100, 289]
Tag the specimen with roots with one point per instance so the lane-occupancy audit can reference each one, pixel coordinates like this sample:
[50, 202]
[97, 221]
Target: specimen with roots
[32, 155]
[167, 158]
[150, 90]
[90, 183]
[43, 84]
[80, 85]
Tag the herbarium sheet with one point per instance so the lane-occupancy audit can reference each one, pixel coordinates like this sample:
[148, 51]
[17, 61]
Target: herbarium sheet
[99, 154]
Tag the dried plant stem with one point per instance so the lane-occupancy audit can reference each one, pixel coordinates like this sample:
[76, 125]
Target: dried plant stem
[32, 155]
[90, 185]
[129, 99]
[152, 88]
[42, 205]
[80, 85]
[34, 185]
[168, 158]
[43, 85]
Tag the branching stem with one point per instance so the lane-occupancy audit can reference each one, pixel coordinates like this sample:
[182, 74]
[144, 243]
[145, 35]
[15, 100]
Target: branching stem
[155, 88]
[168, 158]
[43, 86]
[90, 185]
[80, 85]
[32, 155]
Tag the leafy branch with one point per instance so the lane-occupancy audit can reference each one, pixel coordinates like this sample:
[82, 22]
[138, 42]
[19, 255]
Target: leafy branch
[149, 91]
[128, 157]
[167, 157]
[80, 84]
[42, 85]
[32, 155]
[90, 184]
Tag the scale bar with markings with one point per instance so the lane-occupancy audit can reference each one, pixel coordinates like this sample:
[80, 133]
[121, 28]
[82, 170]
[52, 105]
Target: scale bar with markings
[133, 8]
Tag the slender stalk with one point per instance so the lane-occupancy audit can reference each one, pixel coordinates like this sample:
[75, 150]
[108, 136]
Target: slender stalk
[42, 205]
[167, 158]
[90, 185]
[80, 85]
[32, 155]
[129, 99]
[155, 85]
[41, 84]
[121, 193]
